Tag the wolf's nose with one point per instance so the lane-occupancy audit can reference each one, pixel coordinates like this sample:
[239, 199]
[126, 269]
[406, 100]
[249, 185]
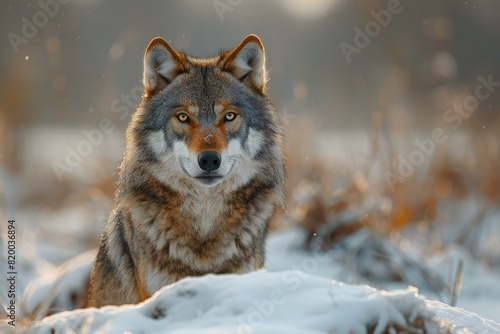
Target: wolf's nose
[209, 160]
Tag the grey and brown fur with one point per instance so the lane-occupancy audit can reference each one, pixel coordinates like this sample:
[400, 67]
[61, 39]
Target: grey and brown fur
[171, 218]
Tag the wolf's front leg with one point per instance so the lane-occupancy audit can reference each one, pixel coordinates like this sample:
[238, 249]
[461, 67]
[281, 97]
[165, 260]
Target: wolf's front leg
[113, 280]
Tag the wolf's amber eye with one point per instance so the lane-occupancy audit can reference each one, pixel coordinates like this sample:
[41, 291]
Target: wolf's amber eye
[182, 117]
[230, 116]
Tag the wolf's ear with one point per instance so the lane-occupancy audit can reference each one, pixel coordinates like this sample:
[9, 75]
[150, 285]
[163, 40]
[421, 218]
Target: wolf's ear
[247, 63]
[161, 65]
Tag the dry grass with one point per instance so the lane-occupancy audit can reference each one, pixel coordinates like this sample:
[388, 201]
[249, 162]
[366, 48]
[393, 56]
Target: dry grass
[353, 209]
[465, 166]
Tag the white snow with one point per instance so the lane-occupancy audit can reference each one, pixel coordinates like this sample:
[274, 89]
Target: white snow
[259, 302]
[480, 291]
[460, 321]
[295, 294]
[269, 302]
[61, 288]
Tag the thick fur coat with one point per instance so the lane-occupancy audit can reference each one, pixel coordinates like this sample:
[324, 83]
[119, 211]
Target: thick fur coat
[202, 175]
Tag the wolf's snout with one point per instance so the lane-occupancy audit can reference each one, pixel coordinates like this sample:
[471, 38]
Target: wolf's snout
[209, 160]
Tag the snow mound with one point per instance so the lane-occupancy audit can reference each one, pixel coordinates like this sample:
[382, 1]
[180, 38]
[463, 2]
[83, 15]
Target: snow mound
[459, 321]
[259, 302]
[63, 288]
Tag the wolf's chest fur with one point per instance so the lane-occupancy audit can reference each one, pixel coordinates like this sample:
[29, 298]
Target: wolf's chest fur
[178, 235]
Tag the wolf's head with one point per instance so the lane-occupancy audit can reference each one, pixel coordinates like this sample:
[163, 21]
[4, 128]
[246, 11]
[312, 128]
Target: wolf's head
[207, 122]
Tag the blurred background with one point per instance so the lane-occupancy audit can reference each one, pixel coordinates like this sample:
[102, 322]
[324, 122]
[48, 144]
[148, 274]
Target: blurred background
[391, 110]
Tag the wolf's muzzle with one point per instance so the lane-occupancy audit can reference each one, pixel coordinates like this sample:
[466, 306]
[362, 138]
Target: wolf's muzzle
[209, 160]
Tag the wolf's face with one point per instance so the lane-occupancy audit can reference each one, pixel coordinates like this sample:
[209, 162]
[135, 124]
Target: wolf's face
[207, 122]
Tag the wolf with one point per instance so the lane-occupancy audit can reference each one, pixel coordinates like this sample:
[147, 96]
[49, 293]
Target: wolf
[202, 175]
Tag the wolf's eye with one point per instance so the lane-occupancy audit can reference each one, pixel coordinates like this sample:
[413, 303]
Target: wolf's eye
[182, 117]
[230, 116]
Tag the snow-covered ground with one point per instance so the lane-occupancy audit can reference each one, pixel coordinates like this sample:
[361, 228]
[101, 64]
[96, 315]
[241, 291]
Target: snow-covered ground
[270, 302]
[298, 292]
[480, 291]
[265, 302]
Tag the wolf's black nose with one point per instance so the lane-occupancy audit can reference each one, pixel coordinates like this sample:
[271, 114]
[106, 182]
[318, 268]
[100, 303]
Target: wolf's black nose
[209, 160]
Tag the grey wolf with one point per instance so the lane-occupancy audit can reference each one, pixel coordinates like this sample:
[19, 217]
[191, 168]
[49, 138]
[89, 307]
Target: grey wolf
[202, 175]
